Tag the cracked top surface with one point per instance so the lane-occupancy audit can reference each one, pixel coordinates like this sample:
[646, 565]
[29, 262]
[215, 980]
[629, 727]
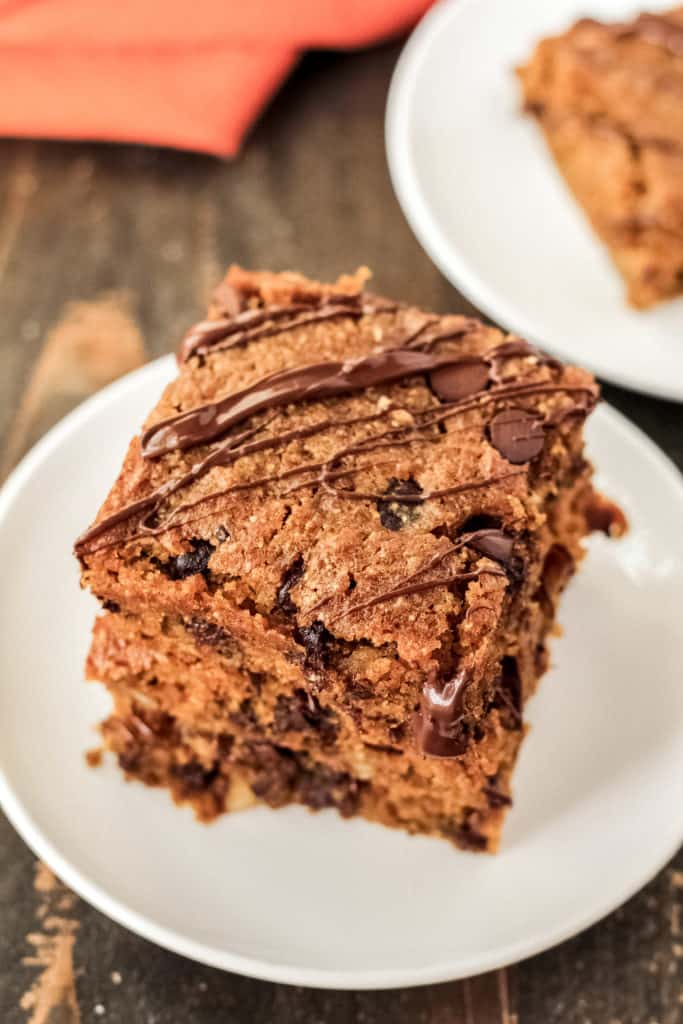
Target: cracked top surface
[431, 494]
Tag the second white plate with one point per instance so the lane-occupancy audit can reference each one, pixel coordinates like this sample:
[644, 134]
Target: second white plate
[311, 899]
[483, 196]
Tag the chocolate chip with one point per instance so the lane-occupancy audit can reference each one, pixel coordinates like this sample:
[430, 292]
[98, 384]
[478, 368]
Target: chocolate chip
[495, 796]
[541, 659]
[458, 380]
[158, 723]
[290, 578]
[189, 563]
[321, 787]
[316, 790]
[302, 712]
[275, 773]
[495, 544]
[257, 679]
[535, 108]
[225, 743]
[517, 434]
[395, 514]
[110, 606]
[499, 545]
[509, 692]
[289, 715]
[129, 760]
[466, 834]
[316, 639]
[245, 717]
[209, 633]
[469, 839]
[192, 778]
[397, 733]
[347, 804]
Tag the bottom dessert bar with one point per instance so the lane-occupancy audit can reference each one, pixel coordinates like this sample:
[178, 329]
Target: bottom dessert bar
[222, 737]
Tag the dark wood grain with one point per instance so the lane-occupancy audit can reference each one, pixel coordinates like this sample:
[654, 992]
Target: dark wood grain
[127, 242]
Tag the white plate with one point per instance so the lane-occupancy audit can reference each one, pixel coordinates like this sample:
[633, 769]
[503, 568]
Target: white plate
[485, 200]
[311, 899]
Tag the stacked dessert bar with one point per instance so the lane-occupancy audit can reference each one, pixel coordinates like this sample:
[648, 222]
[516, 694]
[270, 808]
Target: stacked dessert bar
[608, 98]
[332, 558]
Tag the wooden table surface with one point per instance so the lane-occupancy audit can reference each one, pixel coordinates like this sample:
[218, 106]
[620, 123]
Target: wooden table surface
[106, 255]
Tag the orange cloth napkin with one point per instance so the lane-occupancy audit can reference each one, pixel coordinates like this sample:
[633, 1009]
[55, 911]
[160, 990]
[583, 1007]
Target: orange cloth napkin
[193, 75]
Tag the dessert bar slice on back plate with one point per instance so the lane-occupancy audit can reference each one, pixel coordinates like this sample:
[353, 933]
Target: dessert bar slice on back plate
[608, 99]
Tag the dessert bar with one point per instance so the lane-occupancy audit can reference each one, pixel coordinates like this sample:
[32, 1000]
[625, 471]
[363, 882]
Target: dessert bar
[608, 99]
[332, 558]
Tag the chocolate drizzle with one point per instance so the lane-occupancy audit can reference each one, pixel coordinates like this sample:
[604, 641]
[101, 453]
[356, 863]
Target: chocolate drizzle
[493, 543]
[145, 510]
[251, 324]
[414, 357]
[299, 384]
[244, 325]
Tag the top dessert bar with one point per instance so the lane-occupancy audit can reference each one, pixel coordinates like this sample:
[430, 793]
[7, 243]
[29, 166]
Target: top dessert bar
[383, 499]
[609, 100]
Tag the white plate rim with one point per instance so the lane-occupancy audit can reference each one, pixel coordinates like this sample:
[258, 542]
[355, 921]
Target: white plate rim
[116, 910]
[445, 254]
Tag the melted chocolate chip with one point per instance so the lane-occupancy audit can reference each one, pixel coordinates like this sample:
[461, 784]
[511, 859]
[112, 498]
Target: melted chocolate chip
[459, 380]
[315, 639]
[110, 606]
[439, 729]
[208, 633]
[289, 579]
[517, 434]
[189, 563]
[392, 514]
